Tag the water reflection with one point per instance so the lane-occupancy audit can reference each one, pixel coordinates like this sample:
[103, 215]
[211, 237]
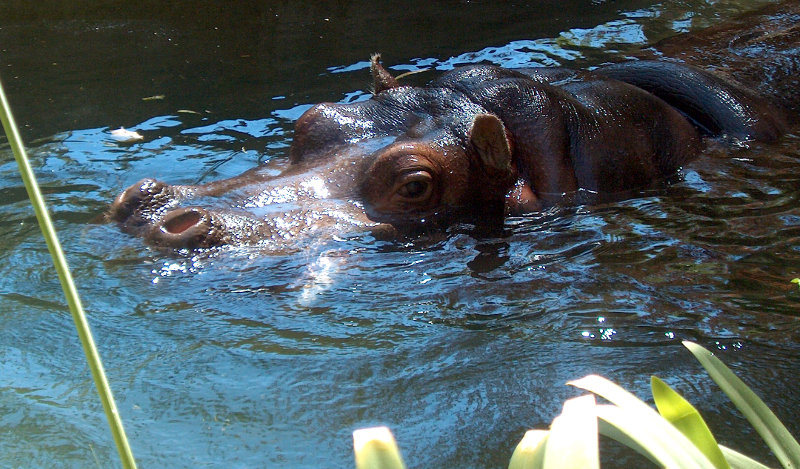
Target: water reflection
[234, 356]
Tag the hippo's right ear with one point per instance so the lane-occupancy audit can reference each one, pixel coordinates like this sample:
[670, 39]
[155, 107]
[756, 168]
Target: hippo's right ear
[488, 136]
[381, 78]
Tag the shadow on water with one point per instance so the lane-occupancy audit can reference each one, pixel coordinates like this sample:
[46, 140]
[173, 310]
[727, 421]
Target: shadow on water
[459, 342]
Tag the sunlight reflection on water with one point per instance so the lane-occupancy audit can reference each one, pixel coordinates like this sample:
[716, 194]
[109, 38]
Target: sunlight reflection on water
[464, 337]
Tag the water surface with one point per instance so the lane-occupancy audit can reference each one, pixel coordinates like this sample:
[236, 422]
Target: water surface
[458, 342]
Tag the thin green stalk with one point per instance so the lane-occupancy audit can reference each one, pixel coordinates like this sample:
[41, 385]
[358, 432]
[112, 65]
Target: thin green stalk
[64, 275]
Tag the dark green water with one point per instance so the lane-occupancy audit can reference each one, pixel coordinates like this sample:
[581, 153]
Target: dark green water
[458, 343]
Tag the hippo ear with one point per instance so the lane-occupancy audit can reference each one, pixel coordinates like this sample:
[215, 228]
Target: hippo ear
[382, 79]
[488, 136]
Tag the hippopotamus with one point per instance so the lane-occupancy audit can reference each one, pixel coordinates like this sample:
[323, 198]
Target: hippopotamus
[474, 145]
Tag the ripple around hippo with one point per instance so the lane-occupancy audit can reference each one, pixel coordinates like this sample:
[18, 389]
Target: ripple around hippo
[457, 340]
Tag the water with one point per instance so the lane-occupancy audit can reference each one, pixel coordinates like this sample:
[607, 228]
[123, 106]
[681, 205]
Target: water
[459, 342]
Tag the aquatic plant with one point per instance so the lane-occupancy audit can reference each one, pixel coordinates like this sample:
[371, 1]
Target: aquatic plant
[67, 284]
[675, 436]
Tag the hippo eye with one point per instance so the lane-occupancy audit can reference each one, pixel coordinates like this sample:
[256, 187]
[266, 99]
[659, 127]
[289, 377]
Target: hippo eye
[413, 189]
[415, 186]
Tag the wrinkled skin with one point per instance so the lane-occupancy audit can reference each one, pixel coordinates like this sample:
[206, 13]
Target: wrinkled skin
[474, 145]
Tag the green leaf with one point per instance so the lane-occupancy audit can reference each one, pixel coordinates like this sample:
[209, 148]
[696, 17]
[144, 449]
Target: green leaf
[680, 413]
[797, 281]
[650, 435]
[641, 427]
[529, 453]
[611, 392]
[375, 448]
[738, 460]
[572, 442]
[777, 437]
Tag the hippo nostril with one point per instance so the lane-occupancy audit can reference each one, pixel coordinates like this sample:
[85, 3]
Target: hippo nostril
[189, 227]
[182, 222]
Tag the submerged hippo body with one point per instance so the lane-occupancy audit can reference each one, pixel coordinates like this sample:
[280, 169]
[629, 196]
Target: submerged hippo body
[474, 145]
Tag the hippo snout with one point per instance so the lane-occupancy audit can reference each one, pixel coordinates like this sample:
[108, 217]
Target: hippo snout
[140, 203]
[147, 208]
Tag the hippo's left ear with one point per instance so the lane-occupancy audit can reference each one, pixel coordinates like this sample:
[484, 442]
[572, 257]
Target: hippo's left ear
[381, 78]
[488, 135]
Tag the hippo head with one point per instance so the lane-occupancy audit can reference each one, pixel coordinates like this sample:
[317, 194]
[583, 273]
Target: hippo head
[410, 157]
[428, 156]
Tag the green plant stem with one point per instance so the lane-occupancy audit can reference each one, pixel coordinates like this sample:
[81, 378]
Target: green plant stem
[65, 277]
